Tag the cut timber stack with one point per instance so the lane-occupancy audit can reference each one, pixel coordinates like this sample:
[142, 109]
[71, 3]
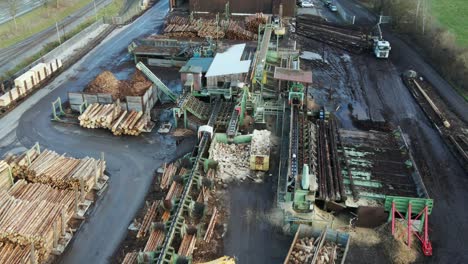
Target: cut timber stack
[187, 245]
[130, 258]
[169, 172]
[25, 223]
[155, 240]
[112, 117]
[5, 177]
[15, 254]
[58, 171]
[235, 32]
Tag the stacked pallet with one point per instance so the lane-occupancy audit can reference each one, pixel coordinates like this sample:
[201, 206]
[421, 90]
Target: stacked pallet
[25, 223]
[58, 171]
[254, 21]
[41, 192]
[112, 117]
[5, 178]
[15, 254]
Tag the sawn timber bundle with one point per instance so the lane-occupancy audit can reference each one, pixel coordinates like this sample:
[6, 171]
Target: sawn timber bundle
[112, 117]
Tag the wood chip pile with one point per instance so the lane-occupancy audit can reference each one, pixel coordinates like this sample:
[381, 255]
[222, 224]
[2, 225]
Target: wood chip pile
[56, 170]
[233, 161]
[305, 249]
[25, 222]
[182, 27]
[260, 144]
[107, 83]
[5, 178]
[15, 254]
[254, 21]
[113, 118]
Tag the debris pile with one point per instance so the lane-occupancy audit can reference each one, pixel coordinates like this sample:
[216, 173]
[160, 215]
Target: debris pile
[112, 117]
[396, 247]
[233, 161]
[107, 83]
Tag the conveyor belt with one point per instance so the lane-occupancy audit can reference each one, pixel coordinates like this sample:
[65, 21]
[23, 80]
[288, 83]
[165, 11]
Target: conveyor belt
[232, 127]
[197, 154]
[294, 144]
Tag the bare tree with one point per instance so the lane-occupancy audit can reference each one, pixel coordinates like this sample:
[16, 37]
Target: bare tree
[13, 10]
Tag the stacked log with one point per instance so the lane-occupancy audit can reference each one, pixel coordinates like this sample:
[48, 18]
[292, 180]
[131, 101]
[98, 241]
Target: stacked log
[155, 240]
[235, 32]
[112, 117]
[41, 192]
[130, 258]
[303, 250]
[150, 216]
[254, 21]
[15, 254]
[183, 27]
[60, 171]
[166, 178]
[187, 245]
[5, 178]
[25, 223]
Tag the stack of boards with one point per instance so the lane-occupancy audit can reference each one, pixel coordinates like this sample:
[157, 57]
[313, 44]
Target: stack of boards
[112, 117]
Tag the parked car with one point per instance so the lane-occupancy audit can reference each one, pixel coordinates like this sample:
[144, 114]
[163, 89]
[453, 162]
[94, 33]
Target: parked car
[307, 3]
[333, 8]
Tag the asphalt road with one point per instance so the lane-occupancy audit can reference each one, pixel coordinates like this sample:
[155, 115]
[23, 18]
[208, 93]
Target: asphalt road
[13, 55]
[374, 89]
[131, 161]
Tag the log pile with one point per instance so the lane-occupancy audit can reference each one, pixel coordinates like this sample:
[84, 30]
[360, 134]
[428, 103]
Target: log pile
[112, 117]
[5, 177]
[150, 216]
[303, 250]
[58, 171]
[166, 178]
[25, 223]
[41, 192]
[187, 245]
[155, 240]
[329, 253]
[130, 258]
[15, 254]
[202, 28]
[254, 21]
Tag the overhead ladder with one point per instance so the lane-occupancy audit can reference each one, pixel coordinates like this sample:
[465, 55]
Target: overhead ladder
[161, 86]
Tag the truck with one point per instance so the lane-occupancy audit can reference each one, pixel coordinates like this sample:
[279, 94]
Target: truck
[381, 48]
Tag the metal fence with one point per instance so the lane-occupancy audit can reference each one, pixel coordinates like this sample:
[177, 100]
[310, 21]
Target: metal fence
[127, 17]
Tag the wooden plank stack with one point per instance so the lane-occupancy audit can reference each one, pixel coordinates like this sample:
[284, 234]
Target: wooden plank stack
[5, 178]
[25, 222]
[187, 245]
[58, 171]
[155, 240]
[166, 178]
[130, 258]
[112, 117]
[235, 31]
[15, 254]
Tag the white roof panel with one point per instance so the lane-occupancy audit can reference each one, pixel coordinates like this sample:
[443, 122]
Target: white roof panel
[229, 62]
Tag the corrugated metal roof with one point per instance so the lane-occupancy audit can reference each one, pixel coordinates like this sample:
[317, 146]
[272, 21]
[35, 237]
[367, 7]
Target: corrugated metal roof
[229, 62]
[287, 74]
[204, 63]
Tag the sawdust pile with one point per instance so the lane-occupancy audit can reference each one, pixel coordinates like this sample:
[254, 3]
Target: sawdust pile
[233, 161]
[395, 246]
[106, 82]
[260, 144]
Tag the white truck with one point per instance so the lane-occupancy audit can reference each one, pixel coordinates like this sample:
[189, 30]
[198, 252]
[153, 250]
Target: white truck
[380, 47]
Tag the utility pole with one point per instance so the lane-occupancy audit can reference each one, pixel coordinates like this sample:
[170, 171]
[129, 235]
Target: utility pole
[58, 32]
[95, 9]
